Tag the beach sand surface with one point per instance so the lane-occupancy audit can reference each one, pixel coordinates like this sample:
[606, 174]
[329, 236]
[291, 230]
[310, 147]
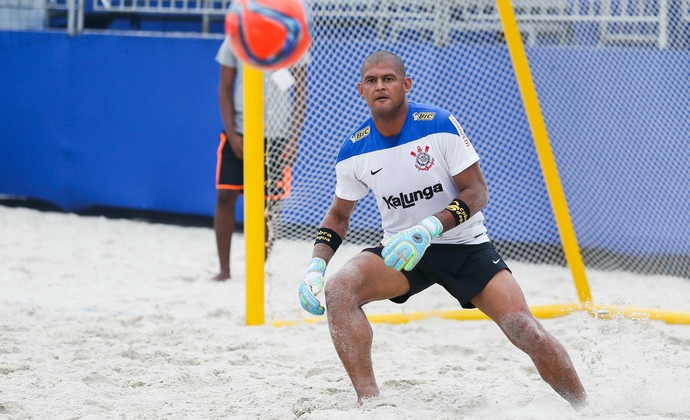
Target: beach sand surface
[112, 318]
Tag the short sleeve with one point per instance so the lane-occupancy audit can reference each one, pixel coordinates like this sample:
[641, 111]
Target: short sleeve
[225, 56]
[348, 187]
[460, 153]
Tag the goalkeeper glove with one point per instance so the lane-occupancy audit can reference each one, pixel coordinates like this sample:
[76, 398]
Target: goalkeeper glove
[405, 249]
[311, 286]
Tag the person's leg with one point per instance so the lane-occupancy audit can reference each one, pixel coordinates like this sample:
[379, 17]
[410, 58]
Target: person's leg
[224, 226]
[503, 301]
[364, 279]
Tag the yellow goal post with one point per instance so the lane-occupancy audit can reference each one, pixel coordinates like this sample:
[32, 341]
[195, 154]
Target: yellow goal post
[553, 94]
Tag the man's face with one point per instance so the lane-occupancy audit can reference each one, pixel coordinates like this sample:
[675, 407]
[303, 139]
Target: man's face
[383, 88]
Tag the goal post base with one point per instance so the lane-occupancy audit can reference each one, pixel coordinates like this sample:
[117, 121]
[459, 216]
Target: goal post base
[540, 311]
[610, 311]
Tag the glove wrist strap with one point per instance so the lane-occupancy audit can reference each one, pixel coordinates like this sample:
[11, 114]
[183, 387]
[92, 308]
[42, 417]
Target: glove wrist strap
[317, 264]
[432, 225]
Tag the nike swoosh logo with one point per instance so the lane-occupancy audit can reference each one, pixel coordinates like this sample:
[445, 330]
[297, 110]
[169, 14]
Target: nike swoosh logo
[375, 172]
[496, 262]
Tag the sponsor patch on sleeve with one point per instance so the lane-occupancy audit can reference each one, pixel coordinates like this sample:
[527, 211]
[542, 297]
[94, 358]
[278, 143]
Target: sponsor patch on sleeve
[461, 133]
[423, 116]
[361, 134]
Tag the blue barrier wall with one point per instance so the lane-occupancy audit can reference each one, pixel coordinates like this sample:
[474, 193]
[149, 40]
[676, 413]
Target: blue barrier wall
[116, 121]
[132, 122]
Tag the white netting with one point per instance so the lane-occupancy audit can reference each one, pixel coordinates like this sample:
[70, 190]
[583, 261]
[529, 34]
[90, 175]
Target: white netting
[612, 78]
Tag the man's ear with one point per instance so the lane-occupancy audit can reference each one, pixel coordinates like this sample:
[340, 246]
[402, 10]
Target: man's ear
[407, 84]
[360, 89]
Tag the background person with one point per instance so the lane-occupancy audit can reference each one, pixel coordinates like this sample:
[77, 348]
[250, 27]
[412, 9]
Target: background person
[283, 119]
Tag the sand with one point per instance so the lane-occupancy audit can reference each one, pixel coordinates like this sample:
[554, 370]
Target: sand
[103, 318]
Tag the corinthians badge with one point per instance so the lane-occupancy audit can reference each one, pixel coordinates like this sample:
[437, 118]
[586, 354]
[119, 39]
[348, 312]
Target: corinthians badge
[423, 161]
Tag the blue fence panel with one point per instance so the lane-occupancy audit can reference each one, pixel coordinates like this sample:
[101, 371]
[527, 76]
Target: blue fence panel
[109, 120]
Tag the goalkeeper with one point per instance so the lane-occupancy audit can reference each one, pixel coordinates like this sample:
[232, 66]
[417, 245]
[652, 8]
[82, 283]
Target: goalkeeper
[425, 176]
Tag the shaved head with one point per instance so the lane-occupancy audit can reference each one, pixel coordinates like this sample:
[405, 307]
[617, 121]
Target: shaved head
[383, 56]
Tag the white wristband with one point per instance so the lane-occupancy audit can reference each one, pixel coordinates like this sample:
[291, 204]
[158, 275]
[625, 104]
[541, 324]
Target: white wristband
[432, 225]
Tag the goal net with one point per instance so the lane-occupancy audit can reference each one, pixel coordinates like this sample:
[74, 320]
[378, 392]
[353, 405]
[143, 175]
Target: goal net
[611, 77]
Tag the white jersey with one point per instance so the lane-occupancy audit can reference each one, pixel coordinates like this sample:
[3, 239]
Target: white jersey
[410, 174]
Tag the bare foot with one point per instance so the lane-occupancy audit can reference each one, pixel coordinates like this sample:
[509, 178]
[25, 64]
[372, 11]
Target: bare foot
[362, 397]
[222, 276]
[579, 405]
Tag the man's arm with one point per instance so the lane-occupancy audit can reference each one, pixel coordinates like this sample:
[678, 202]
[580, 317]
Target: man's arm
[404, 249]
[299, 112]
[333, 229]
[227, 108]
[473, 192]
[337, 219]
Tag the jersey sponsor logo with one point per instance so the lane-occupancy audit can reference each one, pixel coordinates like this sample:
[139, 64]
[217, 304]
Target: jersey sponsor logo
[423, 116]
[461, 132]
[423, 161]
[407, 200]
[376, 171]
[361, 134]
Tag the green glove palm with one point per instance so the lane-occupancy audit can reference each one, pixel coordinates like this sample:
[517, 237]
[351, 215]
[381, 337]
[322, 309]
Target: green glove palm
[311, 286]
[404, 249]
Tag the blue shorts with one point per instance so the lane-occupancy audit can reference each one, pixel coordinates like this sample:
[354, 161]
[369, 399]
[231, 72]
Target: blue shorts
[463, 270]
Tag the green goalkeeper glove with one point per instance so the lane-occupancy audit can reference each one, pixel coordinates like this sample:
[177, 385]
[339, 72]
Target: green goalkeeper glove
[404, 249]
[311, 286]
